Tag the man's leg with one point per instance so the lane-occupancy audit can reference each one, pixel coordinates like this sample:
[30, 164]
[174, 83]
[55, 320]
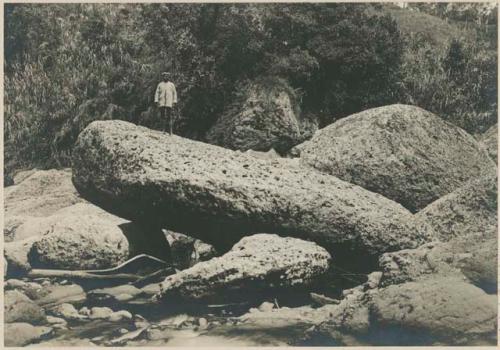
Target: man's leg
[170, 118]
[163, 120]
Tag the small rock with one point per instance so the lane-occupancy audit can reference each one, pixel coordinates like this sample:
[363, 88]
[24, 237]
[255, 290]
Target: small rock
[123, 331]
[56, 320]
[57, 294]
[266, 306]
[374, 279]
[85, 311]
[21, 334]
[202, 323]
[151, 289]
[323, 300]
[100, 313]
[31, 289]
[119, 293]
[120, 315]
[20, 308]
[66, 311]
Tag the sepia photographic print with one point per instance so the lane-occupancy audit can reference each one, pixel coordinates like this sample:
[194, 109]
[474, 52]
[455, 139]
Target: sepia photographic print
[250, 174]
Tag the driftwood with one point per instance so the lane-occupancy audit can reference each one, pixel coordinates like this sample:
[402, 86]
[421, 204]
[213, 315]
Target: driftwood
[138, 269]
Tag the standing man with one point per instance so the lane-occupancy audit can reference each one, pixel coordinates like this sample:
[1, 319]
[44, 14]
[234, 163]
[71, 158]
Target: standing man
[166, 99]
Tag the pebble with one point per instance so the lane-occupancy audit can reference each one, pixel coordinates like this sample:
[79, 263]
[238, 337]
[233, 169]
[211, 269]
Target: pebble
[266, 306]
[202, 323]
[84, 311]
[100, 313]
[120, 315]
[66, 311]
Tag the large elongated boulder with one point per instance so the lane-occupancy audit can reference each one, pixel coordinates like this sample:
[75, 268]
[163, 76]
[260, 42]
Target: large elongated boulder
[219, 195]
[254, 265]
[402, 152]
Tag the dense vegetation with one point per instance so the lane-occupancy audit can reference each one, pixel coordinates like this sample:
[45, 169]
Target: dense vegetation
[69, 64]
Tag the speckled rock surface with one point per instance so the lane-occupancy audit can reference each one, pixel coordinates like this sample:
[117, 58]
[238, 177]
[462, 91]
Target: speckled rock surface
[470, 210]
[80, 242]
[474, 259]
[20, 308]
[446, 310]
[255, 264]
[219, 195]
[402, 152]
[21, 333]
[489, 140]
[41, 194]
[265, 119]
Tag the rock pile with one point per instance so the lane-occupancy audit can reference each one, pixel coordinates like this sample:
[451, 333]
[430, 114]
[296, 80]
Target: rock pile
[428, 278]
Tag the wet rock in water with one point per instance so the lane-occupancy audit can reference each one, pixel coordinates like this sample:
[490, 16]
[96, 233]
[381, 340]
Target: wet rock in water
[42, 194]
[22, 334]
[469, 211]
[276, 327]
[402, 152]
[151, 289]
[79, 242]
[100, 313]
[55, 294]
[20, 308]
[265, 119]
[66, 311]
[57, 343]
[254, 265]
[266, 306]
[120, 316]
[320, 299]
[446, 310]
[219, 195]
[120, 293]
[56, 321]
[31, 289]
[489, 140]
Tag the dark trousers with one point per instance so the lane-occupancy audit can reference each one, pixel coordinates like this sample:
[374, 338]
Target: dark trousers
[167, 118]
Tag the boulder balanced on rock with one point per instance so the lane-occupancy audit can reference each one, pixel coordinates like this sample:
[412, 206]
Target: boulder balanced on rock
[402, 152]
[219, 195]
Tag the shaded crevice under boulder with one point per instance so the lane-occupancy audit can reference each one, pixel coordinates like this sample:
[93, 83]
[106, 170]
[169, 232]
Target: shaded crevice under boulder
[402, 152]
[254, 265]
[219, 195]
[264, 118]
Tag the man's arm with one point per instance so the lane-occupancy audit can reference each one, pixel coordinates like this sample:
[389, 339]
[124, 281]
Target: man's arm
[157, 94]
[174, 93]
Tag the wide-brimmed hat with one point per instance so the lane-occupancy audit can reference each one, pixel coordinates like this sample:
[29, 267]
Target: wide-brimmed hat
[165, 74]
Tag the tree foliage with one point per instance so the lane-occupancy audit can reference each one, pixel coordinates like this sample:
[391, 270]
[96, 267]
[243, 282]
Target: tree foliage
[69, 64]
